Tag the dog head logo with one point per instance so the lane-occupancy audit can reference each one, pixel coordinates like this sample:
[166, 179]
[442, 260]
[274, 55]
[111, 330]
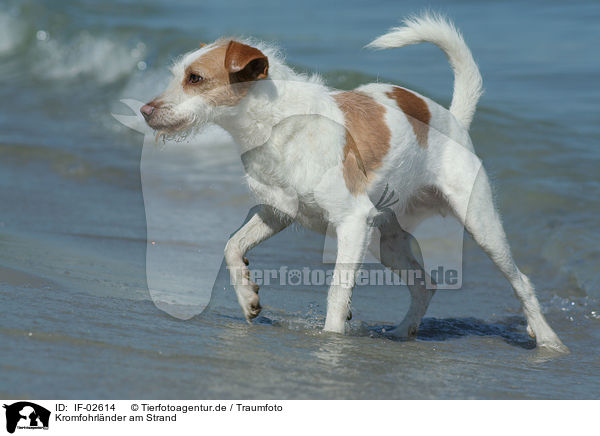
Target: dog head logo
[26, 415]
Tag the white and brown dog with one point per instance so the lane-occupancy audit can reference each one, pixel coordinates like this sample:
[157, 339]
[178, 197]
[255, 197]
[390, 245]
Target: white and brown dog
[320, 156]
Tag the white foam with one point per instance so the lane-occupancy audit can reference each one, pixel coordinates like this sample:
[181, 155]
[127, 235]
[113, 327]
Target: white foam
[12, 32]
[85, 55]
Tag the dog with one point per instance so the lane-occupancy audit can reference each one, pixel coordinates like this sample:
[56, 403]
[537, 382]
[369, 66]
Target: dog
[320, 157]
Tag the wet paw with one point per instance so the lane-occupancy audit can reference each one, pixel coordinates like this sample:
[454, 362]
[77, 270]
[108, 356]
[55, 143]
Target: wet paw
[251, 306]
[253, 310]
[247, 294]
[557, 347]
[408, 331]
[551, 342]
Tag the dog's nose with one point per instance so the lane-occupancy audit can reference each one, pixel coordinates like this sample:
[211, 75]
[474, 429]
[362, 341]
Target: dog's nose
[147, 110]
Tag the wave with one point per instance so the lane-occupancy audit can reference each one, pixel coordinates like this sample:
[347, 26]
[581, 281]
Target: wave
[13, 32]
[101, 58]
[55, 51]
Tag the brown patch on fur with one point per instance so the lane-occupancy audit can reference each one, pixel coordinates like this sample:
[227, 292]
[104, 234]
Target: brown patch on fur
[210, 67]
[245, 62]
[416, 112]
[367, 138]
[226, 71]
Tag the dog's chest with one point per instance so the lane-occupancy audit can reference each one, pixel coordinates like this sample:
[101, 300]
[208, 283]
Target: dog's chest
[296, 157]
[287, 180]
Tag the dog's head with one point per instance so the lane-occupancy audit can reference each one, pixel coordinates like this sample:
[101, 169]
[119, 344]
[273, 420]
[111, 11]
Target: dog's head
[205, 85]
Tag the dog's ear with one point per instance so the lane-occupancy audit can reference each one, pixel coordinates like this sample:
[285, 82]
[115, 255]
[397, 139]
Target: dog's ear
[245, 63]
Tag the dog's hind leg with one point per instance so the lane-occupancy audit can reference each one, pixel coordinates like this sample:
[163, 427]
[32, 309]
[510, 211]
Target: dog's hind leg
[261, 226]
[475, 209]
[396, 252]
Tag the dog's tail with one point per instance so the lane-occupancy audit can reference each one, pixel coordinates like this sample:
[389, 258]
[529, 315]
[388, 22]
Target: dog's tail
[441, 32]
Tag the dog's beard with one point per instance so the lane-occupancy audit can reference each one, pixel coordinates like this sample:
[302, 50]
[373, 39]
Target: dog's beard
[191, 127]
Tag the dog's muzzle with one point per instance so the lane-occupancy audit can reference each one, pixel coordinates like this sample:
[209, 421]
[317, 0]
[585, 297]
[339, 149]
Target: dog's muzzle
[147, 110]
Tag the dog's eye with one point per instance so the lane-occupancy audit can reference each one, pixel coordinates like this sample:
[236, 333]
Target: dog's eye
[195, 78]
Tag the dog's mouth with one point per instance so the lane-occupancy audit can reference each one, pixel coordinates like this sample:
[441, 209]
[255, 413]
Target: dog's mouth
[179, 135]
[170, 128]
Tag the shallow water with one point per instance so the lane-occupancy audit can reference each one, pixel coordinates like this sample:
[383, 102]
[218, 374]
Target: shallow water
[77, 317]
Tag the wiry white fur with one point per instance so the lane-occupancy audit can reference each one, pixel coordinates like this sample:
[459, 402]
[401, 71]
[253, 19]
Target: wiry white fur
[292, 135]
[438, 30]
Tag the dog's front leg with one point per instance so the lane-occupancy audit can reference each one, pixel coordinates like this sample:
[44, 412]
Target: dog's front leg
[352, 235]
[263, 224]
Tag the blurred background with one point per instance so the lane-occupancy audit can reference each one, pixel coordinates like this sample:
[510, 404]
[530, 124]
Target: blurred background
[77, 320]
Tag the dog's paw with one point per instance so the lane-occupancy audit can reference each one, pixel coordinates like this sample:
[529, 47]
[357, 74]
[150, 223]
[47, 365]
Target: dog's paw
[530, 332]
[551, 342]
[545, 338]
[252, 308]
[403, 331]
[249, 301]
[248, 296]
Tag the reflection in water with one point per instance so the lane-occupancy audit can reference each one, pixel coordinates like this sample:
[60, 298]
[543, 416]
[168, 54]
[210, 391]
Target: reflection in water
[334, 350]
